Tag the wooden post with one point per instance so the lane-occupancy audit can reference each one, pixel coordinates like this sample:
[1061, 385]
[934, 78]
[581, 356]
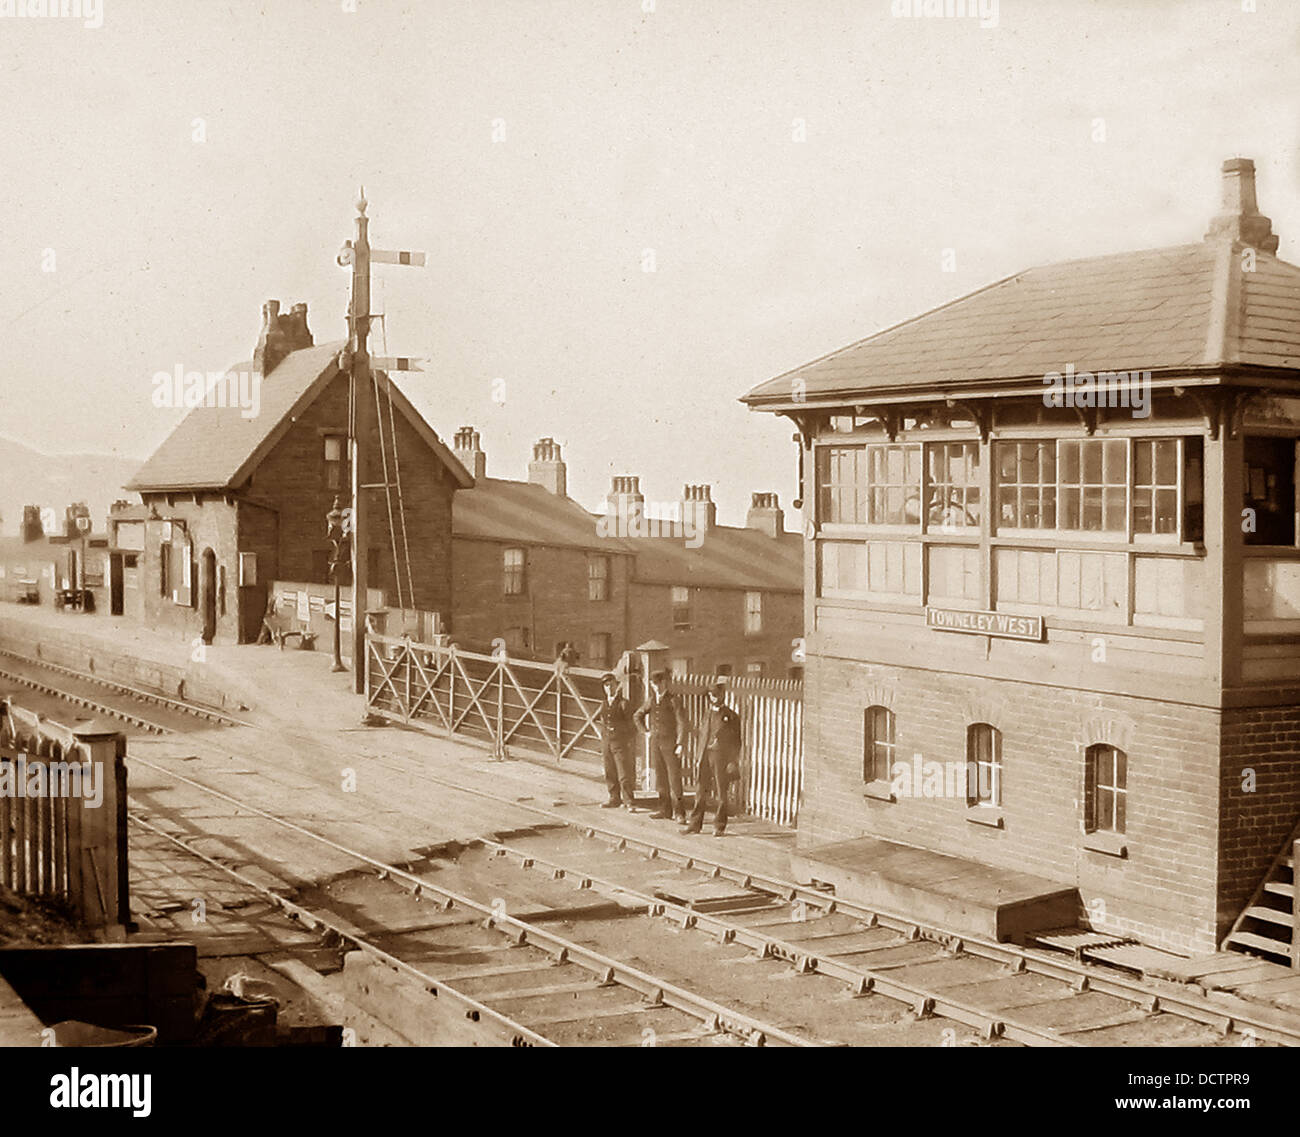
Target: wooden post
[103, 832]
[361, 419]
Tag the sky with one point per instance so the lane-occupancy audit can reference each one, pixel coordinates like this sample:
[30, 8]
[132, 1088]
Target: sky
[634, 210]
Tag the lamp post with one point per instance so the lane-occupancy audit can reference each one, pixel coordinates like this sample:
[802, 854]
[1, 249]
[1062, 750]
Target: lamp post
[338, 536]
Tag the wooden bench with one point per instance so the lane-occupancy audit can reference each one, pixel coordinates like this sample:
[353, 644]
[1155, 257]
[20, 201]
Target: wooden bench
[275, 627]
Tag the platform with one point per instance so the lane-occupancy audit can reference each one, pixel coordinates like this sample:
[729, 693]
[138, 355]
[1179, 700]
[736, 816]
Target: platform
[934, 888]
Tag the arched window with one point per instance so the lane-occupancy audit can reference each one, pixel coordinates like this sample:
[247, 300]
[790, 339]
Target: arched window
[983, 765]
[1105, 788]
[877, 744]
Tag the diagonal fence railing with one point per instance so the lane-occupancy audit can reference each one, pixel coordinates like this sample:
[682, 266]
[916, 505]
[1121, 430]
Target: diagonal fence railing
[552, 709]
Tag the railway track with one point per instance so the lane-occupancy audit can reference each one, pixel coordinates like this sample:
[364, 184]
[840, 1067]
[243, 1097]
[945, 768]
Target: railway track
[994, 991]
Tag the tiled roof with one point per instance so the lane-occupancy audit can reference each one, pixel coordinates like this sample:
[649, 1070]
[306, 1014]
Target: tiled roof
[729, 557]
[497, 509]
[1185, 307]
[500, 510]
[217, 447]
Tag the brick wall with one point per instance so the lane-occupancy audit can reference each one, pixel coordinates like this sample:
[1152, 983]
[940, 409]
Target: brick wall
[1165, 891]
[555, 606]
[292, 479]
[717, 633]
[211, 524]
[1260, 799]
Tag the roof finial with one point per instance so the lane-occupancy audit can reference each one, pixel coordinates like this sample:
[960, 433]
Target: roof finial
[361, 201]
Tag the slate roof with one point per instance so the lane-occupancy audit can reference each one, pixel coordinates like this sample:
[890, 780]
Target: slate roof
[1183, 308]
[729, 557]
[498, 509]
[217, 447]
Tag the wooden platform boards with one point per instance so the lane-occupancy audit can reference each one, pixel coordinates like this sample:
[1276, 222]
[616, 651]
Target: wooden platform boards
[1246, 976]
[935, 888]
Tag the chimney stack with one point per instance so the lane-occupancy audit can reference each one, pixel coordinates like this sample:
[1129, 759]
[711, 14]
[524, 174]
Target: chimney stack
[470, 452]
[547, 467]
[699, 514]
[625, 502]
[765, 514]
[32, 530]
[280, 335]
[1241, 220]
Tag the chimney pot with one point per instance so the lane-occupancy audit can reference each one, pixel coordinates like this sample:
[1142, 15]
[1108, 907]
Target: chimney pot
[470, 453]
[547, 468]
[765, 514]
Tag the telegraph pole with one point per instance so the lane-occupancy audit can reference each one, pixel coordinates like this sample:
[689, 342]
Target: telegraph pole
[361, 391]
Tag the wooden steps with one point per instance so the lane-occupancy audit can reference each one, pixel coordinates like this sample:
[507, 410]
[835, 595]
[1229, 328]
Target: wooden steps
[1266, 924]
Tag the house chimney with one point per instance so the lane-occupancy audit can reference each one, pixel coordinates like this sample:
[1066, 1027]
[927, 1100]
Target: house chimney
[765, 513]
[1241, 220]
[699, 514]
[547, 467]
[626, 502]
[280, 335]
[470, 452]
[32, 529]
[71, 515]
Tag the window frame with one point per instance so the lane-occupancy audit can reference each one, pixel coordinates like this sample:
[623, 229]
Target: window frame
[753, 613]
[683, 614]
[597, 577]
[978, 733]
[1115, 824]
[514, 577]
[874, 748]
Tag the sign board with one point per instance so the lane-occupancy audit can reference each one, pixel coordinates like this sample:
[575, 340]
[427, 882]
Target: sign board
[1001, 624]
[304, 606]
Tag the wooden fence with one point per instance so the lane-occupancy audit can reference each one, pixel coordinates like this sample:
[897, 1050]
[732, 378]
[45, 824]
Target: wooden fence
[63, 816]
[540, 707]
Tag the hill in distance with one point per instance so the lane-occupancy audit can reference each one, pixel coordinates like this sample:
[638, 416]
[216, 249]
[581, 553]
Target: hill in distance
[30, 477]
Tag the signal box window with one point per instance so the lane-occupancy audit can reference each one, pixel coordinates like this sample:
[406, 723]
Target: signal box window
[983, 765]
[877, 744]
[1269, 491]
[1106, 790]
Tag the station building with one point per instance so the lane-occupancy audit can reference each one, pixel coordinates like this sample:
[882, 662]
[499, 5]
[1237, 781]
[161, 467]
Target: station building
[232, 501]
[1052, 589]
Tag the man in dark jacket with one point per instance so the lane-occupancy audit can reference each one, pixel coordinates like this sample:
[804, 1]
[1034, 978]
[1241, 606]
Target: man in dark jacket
[617, 738]
[662, 717]
[720, 737]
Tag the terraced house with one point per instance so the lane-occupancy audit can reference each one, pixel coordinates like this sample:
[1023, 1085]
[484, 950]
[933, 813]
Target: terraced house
[1093, 602]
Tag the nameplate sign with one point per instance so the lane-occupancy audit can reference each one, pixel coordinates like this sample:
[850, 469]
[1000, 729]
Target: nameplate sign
[985, 623]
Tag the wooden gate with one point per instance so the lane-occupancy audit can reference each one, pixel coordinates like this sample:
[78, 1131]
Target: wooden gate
[553, 710]
[63, 816]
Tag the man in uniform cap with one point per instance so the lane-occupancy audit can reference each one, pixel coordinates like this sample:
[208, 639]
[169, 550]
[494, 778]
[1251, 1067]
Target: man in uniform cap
[664, 719]
[617, 736]
[720, 737]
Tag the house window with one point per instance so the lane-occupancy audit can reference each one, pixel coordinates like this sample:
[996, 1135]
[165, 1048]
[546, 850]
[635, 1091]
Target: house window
[954, 491]
[1106, 789]
[512, 564]
[983, 765]
[1269, 491]
[877, 744]
[753, 613]
[334, 461]
[679, 668]
[165, 569]
[598, 649]
[755, 667]
[598, 578]
[681, 609]
[247, 569]
[722, 669]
